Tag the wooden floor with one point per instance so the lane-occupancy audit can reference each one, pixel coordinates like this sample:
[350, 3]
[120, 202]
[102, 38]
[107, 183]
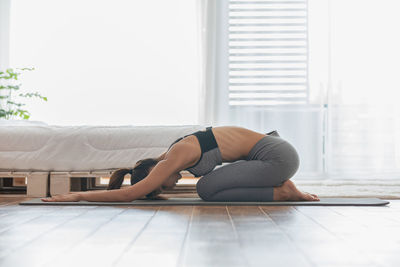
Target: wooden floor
[198, 235]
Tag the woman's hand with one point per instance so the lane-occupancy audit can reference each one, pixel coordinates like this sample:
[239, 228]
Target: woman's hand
[71, 197]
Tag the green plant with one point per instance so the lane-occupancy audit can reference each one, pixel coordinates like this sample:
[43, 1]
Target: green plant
[10, 106]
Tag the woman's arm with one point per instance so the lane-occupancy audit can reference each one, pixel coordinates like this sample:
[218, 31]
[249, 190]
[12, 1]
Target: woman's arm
[162, 156]
[101, 195]
[126, 194]
[172, 163]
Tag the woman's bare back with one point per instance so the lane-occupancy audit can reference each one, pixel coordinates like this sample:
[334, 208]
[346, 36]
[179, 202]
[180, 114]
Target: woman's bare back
[234, 143]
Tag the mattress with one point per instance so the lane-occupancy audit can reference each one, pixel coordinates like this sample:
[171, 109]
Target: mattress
[36, 146]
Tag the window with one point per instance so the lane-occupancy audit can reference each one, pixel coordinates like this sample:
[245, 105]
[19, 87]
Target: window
[267, 76]
[323, 77]
[268, 57]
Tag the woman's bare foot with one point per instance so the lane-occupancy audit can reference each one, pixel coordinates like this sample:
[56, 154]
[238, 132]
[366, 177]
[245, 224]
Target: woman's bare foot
[288, 191]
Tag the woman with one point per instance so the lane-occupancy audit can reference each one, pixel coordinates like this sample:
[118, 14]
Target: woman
[260, 170]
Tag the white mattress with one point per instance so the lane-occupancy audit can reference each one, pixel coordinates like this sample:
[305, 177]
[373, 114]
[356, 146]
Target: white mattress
[37, 146]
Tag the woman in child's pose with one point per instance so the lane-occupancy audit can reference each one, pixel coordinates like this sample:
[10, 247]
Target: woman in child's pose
[260, 170]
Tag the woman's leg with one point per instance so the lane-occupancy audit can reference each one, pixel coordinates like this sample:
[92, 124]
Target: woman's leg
[271, 162]
[240, 181]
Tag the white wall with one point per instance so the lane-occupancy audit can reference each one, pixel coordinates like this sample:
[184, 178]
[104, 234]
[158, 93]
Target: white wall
[4, 32]
[108, 62]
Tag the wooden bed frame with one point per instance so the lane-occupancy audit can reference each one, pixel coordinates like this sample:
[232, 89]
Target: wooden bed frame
[42, 184]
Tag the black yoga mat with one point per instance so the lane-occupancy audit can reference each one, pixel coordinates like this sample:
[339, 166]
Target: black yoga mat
[199, 202]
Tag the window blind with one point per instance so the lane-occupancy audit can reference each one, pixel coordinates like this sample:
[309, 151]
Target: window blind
[268, 53]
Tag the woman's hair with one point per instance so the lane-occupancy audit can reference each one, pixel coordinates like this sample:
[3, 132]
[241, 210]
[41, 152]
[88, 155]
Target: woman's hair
[138, 173]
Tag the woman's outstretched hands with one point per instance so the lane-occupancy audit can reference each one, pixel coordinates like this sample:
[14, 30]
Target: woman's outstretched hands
[70, 197]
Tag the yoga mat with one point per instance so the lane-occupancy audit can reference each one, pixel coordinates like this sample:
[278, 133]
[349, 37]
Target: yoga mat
[199, 202]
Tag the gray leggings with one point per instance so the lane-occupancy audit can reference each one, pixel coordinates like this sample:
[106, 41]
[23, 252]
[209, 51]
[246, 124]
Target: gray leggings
[270, 162]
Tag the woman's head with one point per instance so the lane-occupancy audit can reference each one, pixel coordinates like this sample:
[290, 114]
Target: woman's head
[139, 172]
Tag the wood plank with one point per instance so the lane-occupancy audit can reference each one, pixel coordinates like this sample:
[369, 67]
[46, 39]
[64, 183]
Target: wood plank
[39, 239]
[379, 238]
[211, 239]
[15, 216]
[162, 240]
[11, 200]
[198, 235]
[103, 245]
[262, 241]
[336, 251]
[18, 236]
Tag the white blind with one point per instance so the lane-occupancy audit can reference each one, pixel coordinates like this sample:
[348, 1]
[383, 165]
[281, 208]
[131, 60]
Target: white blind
[268, 53]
